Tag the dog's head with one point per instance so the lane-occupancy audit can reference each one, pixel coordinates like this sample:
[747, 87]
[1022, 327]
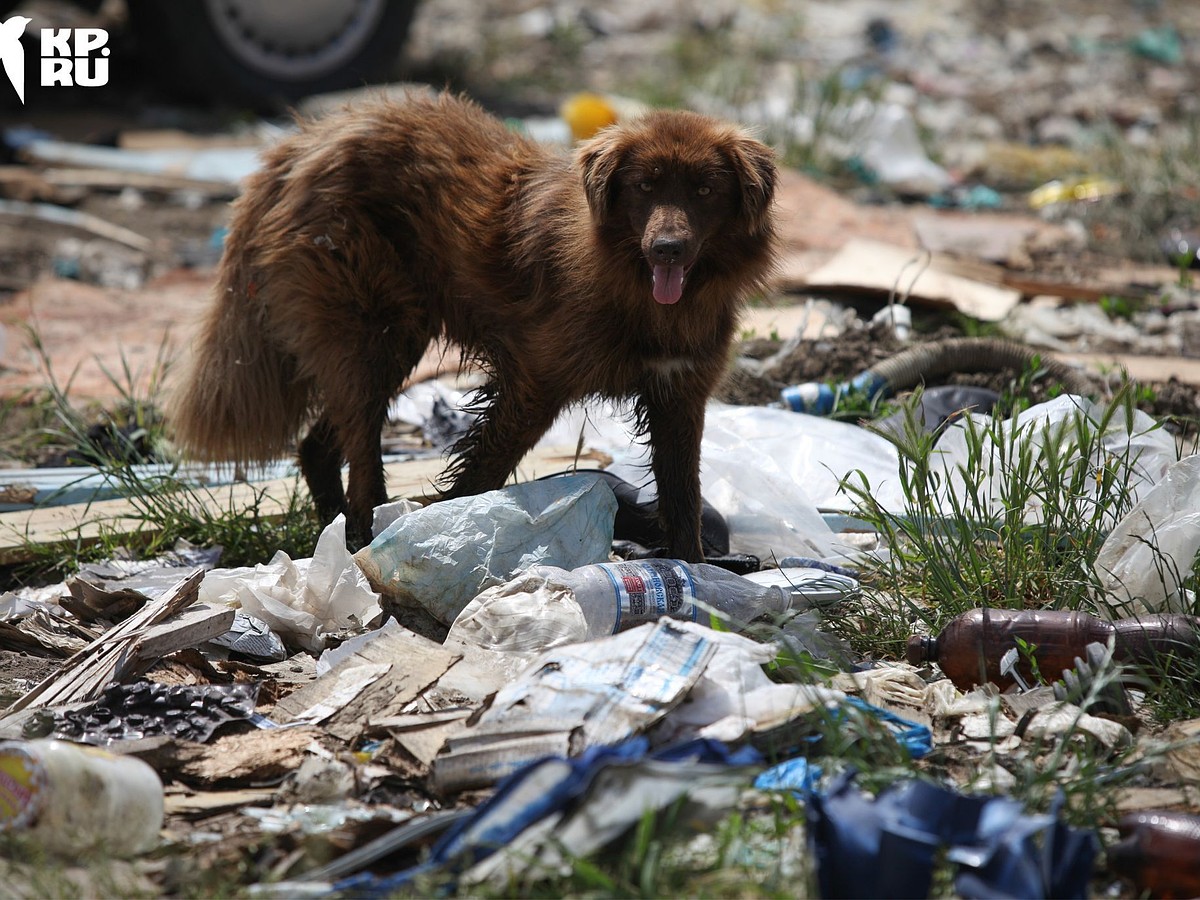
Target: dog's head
[675, 181]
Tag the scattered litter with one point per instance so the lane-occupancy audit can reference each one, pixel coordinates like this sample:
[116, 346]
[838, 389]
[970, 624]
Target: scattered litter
[557, 805]
[250, 637]
[881, 269]
[888, 846]
[891, 149]
[972, 647]
[376, 680]
[73, 218]
[130, 712]
[441, 556]
[303, 600]
[546, 606]
[1149, 553]
[606, 690]
[73, 800]
[1159, 852]
[118, 652]
[578, 696]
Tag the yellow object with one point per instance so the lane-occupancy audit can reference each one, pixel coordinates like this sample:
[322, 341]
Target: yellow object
[586, 114]
[1063, 191]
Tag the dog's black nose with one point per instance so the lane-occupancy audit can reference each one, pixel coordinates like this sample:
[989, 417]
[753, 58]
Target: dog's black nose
[666, 251]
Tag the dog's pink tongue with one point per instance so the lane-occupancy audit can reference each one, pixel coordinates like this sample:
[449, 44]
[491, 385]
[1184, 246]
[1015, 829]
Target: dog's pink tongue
[668, 283]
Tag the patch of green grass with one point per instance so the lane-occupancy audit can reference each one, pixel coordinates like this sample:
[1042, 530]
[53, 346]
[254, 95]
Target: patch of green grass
[163, 507]
[1013, 520]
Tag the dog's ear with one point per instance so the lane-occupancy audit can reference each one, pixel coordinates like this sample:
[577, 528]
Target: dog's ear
[754, 164]
[598, 161]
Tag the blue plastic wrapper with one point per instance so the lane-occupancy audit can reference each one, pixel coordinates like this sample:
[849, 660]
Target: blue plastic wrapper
[887, 846]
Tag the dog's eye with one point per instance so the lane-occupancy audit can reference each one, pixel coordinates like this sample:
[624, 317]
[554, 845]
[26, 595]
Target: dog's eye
[646, 186]
[704, 190]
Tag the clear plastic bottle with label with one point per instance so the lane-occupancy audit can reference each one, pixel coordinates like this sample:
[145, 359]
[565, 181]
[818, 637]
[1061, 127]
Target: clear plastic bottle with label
[619, 595]
[545, 606]
[73, 799]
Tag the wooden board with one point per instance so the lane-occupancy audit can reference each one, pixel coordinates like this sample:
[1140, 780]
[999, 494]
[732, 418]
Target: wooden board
[81, 524]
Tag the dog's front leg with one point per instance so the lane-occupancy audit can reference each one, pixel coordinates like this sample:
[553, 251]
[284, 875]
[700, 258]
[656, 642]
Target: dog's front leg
[516, 417]
[675, 423]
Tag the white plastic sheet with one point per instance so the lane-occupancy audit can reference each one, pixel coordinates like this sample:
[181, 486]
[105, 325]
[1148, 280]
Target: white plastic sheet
[1149, 551]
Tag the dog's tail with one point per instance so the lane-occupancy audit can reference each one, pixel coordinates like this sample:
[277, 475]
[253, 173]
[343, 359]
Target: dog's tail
[238, 397]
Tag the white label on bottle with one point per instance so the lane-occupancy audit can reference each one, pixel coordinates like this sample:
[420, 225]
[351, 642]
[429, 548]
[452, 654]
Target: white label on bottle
[648, 589]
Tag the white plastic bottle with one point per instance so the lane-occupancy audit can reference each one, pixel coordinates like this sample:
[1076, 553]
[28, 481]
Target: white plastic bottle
[73, 799]
[546, 606]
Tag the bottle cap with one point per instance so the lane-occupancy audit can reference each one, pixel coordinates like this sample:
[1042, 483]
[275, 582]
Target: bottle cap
[921, 649]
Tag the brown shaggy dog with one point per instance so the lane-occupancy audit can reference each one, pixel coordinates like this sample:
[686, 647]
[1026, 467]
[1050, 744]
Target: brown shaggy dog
[369, 233]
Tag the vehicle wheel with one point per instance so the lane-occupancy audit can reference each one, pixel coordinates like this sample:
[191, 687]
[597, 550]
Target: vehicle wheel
[265, 52]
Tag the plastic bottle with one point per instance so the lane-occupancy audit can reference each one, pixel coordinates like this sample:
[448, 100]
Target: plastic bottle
[529, 612]
[1159, 852]
[969, 649]
[73, 799]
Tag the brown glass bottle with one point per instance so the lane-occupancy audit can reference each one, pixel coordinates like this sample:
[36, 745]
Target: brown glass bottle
[1159, 852]
[970, 647]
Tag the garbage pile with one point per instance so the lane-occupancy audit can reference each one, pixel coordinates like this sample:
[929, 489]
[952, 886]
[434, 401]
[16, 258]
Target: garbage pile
[499, 686]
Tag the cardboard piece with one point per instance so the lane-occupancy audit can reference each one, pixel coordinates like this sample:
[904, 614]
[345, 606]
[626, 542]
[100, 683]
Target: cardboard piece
[882, 268]
[376, 681]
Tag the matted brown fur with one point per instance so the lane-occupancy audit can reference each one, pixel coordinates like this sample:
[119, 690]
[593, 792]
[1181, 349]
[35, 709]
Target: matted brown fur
[373, 231]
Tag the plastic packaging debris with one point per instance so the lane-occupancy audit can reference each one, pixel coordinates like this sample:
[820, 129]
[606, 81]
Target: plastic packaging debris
[436, 408]
[1150, 551]
[810, 586]
[892, 150]
[1159, 852]
[798, 463]
[440, 557]
[607, 690]
[546, 606]
[384, 515]
[557, 804]
[302, 600]
[576, 696]
[1074, 190]
[970, 649]
[320, 818]
[251, 637]
[128, 712]
[888, 847]
[74, 800]
[1088, 687]
[1149, 449]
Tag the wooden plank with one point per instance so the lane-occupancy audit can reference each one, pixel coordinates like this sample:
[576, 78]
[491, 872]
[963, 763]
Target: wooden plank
[110, 656]
[22, 532]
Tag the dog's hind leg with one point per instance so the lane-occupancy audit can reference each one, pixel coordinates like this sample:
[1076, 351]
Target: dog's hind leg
[321, 465]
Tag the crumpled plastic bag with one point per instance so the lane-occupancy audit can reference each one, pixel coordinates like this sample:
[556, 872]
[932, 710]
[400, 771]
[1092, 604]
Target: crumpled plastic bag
[533, 611]
[1150, 449]
[769, 471]
[442, 556]
[1151, 550]
[301, 600]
